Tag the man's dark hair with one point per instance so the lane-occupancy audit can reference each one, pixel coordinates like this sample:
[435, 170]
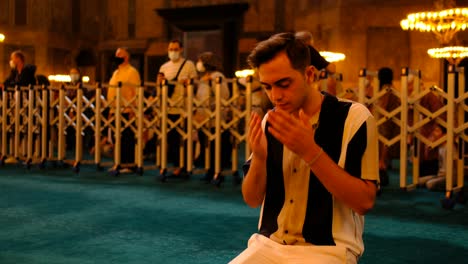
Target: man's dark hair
[177, 41]
[297, 51]
[19, 54]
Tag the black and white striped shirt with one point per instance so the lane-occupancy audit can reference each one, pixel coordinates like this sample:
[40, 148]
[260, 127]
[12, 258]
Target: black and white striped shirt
[298, 209]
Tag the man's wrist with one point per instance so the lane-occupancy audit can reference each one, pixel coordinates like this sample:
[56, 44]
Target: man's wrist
[259, 157]
[312, 157]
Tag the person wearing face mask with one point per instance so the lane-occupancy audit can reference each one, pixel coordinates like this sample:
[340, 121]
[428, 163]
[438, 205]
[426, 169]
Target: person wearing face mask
[75, 81]
[209, 69]
[21, 74]
[177, 69]
[75, 76]
[130, 78]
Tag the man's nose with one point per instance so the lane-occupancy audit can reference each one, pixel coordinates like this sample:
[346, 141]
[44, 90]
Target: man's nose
[276, 94]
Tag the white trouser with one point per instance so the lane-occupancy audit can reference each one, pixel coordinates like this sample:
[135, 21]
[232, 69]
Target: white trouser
[262, 250]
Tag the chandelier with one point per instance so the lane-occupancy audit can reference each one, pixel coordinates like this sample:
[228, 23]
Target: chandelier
[452, 54]
[2, 37]
[444, 24]
[332, 56]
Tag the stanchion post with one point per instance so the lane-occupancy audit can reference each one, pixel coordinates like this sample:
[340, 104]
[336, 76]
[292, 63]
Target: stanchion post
[416, 156]
[461, 121]
[44, 122]
[248, 112]
[404, 127]
[234, 155]
[362, 85]
[189, 105]
[97, 125]
[61, 130]
[218, 127]
[164, 103]
[17, 120]
[5, 100]
[52, 129]
[30, 138]
[79, 125]
[140, 116]
[450, 127]
[118, 126]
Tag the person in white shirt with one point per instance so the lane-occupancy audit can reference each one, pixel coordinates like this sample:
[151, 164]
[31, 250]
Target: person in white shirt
[130, 79]
[177, 69]
[209, 68]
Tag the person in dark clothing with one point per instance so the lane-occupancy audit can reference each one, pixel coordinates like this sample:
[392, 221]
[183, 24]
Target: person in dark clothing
[389, 129]
[21, 74]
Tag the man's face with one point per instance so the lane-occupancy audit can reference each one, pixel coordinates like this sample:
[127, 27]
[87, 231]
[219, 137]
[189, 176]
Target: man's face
[15, 59]
[174, 46]
[286, 87]
[74, 71]
[120, 53]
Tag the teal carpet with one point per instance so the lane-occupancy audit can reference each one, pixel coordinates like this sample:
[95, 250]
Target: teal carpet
[55, 216]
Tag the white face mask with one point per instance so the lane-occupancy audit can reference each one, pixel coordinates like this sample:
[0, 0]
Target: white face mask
[173, 55]
[74, 77]
[12, 64]
[200, 66]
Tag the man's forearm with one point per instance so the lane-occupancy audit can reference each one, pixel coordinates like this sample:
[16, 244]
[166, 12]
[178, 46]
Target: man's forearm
[358, 194]
[254, 185]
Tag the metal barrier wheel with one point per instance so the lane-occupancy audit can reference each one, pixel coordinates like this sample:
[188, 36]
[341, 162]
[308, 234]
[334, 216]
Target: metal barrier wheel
[217, 180]
[448, 202]
[114, 171]
[27, 164]
[208, 176]
[76, 167]
[162, 175]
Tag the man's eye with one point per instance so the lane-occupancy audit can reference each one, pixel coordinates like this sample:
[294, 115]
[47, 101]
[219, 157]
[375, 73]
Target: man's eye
[284, 84]
[266, 87]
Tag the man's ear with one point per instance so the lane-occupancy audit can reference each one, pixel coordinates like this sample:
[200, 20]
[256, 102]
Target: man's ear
[310, 74]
